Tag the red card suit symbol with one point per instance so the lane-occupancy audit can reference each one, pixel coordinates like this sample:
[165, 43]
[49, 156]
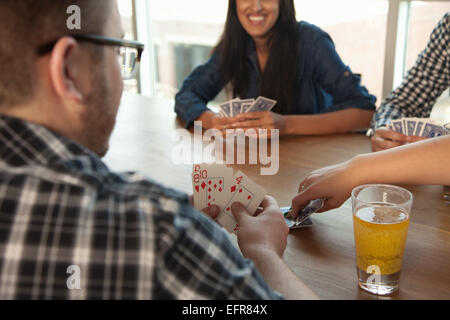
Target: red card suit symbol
[240, 190]
[249, 197]
[215, 186]
[220, 189]
[233, 188]
[197, 188]
[203, 185]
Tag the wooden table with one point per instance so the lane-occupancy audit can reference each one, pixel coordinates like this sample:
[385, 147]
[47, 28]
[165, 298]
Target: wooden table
[323, 255]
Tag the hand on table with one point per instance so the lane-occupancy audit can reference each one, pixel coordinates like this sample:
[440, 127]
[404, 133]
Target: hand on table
[265, 230]
[385, 139]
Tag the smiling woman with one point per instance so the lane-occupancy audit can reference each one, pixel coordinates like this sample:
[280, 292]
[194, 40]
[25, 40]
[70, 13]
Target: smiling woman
[264, 51]
[271, 27]
[258, 17]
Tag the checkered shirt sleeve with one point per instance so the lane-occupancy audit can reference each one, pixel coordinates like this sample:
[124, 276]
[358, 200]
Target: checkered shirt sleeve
[424, 83]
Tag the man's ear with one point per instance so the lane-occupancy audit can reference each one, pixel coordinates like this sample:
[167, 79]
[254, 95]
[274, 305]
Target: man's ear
[63, 69]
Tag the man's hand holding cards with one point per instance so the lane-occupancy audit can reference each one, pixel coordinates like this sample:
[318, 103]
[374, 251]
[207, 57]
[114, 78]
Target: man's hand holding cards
[216, 185]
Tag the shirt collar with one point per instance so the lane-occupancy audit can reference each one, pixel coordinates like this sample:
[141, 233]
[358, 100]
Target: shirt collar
[26, 143]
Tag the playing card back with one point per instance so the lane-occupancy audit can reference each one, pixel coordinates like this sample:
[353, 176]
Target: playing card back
[262, 104]
[236, 105]
[312, 207]
[431, 130]
[419, 127]
[245, 107]
[292, 223]
[398, 126]
[410, 126]
[226, 108]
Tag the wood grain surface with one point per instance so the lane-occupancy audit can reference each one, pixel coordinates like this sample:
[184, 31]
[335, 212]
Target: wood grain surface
[323, 255]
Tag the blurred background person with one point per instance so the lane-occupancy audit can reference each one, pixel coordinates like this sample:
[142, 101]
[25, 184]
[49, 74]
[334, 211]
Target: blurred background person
[416, 96]
[264, 51]
[419, 163]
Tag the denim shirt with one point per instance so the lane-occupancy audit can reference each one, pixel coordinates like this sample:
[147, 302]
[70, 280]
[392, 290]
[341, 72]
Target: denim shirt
[324, 82]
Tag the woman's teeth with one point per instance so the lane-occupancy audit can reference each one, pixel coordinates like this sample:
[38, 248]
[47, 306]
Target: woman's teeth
[256, 18]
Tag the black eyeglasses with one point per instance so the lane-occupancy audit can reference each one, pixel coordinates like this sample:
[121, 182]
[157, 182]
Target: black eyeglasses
[129, 54]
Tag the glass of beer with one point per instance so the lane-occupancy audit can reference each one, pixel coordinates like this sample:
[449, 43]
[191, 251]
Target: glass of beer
[380, 224]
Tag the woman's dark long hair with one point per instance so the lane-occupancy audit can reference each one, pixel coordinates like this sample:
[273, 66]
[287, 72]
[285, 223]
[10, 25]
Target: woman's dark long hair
[278, 81]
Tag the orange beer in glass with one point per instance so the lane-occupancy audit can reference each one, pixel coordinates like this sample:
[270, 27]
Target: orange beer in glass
[380, 224]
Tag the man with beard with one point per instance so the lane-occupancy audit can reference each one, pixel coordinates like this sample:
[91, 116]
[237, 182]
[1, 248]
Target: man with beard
[72, 229]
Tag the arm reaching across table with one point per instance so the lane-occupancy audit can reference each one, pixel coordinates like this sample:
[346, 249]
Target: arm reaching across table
[419, 163]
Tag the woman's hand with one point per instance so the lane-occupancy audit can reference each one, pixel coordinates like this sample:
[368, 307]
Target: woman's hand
[211, 120]
[385, 139]
[333, 183]
[253, 120]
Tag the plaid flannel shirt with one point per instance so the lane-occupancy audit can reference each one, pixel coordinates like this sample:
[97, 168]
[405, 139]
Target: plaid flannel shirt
[424, 83]
[67, 222]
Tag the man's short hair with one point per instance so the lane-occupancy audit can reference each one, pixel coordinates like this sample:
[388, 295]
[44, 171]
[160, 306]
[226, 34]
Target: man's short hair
[27, 24]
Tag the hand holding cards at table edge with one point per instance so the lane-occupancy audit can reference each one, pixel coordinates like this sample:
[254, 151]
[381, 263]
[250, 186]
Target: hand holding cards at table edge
[245, 114]
[253, 120]
[406, 130]
[386, 139]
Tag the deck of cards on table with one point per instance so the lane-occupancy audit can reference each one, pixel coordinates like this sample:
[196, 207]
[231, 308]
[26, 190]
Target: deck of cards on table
[421, 127]
[237, 106]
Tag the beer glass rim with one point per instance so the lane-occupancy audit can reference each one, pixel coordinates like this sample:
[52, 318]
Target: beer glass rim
[356, 190]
